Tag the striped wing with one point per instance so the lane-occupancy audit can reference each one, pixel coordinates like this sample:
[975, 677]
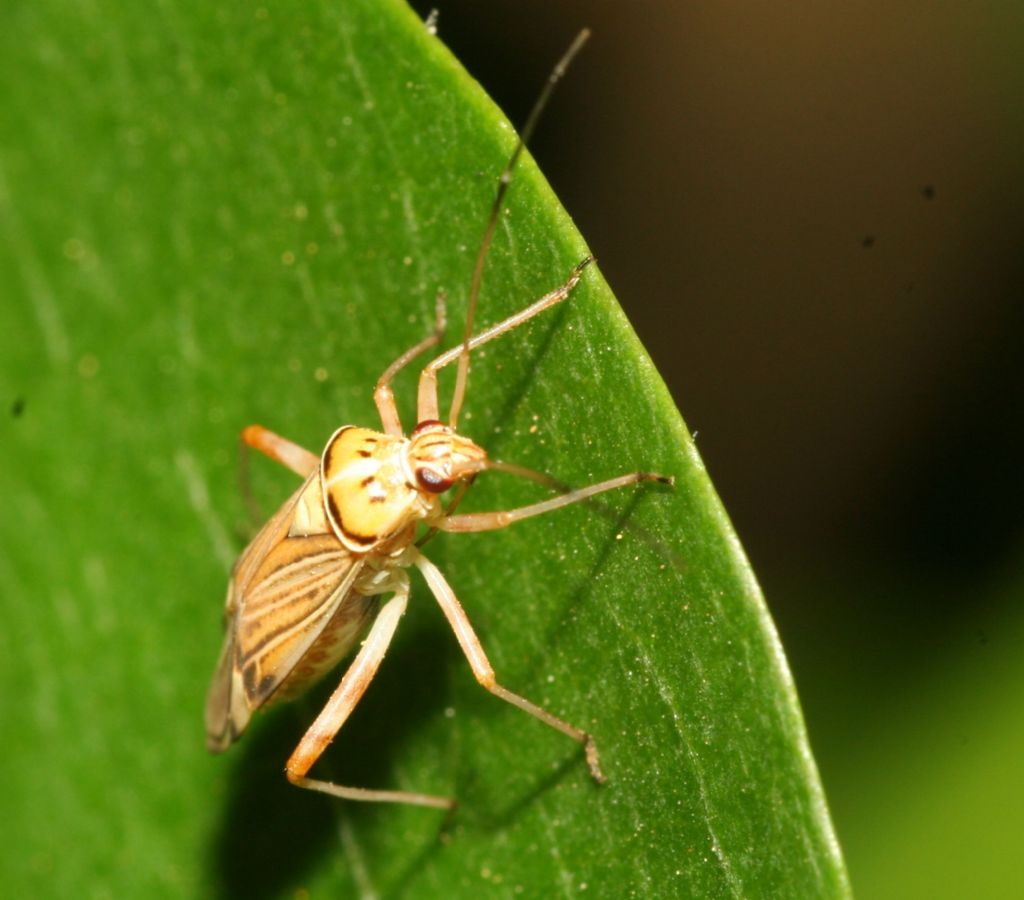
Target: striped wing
[285, 590]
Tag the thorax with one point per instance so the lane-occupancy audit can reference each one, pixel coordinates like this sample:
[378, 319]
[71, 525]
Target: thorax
[369, 495]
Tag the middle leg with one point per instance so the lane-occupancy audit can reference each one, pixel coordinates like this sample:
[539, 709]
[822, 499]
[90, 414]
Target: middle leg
[491, 521]
[483, 670]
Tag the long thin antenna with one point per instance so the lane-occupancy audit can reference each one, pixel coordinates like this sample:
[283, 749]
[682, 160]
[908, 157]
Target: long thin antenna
[503, 182]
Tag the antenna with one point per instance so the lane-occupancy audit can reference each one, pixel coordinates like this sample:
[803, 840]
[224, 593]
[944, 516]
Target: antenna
[485, 244]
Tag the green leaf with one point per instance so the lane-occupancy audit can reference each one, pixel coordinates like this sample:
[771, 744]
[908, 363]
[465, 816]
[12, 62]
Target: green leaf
[215, 215]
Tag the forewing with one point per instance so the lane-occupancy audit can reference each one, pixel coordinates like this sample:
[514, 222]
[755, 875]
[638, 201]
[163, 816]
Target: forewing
[227, 712]
[284, 590]
[294, 594]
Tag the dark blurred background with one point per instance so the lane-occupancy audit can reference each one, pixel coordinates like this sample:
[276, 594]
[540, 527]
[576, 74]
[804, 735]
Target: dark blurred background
[812, 213]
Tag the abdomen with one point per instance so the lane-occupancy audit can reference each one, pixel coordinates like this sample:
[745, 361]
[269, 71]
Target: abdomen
[331, 647]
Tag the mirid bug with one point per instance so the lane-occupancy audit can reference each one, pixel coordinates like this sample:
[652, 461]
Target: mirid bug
[304, 590]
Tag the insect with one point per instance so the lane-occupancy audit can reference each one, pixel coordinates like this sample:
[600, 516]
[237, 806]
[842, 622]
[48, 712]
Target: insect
[308, 585]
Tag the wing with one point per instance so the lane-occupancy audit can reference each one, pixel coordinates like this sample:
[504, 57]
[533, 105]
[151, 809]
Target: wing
[285, 589]
[302, 583]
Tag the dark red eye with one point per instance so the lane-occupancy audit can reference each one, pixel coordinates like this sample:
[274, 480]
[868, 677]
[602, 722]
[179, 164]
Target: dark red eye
[430, 481]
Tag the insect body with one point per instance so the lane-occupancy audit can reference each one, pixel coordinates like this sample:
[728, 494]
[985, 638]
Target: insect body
[304, 590]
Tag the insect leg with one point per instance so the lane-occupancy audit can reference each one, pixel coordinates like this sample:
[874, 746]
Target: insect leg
[491, 521]
[280, 449]
[383, 396]
[426, 401]
[483, 671]
[340, 705]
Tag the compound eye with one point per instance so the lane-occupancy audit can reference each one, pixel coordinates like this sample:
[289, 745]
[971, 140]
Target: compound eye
[431, 481]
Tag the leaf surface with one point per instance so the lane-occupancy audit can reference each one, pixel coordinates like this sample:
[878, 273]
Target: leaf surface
[213, 216]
